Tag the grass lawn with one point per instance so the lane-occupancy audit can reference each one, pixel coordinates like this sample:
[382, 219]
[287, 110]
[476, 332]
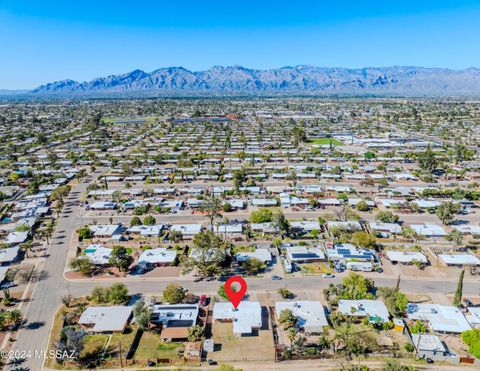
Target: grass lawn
[237, 249]
[94, 345]
[151, 346]
[315, 268]
[325, 141]
[125, 340]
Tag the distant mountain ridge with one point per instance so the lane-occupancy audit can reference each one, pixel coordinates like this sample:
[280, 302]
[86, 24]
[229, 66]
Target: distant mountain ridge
[288, 81]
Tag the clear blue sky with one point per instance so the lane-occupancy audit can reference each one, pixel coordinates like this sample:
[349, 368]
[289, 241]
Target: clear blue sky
[48, 40]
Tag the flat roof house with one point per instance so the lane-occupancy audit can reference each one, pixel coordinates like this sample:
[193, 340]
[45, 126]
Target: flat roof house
[428, 230]
[98, 254]
[374, 310]
[174, 318]
[429, 346]
[264, 255]
[106, 319]
[304, 254]
[246, 318]
[187, 230]
[146, 230]
[310, 314]
[459, 259]
[347, 251]
[442, 318]
[386, 229]
[105, 230]
[9, 255]
[157, 258]
[406, 257]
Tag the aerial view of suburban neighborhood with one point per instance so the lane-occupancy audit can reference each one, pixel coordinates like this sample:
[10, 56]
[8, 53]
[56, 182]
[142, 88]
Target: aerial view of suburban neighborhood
[230, 219]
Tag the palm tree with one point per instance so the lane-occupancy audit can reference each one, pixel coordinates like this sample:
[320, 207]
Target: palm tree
[291, 335]
[212, 208]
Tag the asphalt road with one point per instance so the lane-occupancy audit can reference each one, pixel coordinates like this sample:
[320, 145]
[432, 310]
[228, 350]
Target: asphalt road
[50, 287]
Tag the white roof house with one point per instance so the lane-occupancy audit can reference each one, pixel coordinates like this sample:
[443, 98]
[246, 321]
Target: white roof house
[98, 254]
[310, 314]
[473, 316]
[187, 230]
[174, 315]
[375, 310]
[105, 230]
[100, 205]
[15, 238]
[246, 318]
[158, 256]
[264, 255]
[429, 230]
[389, 228]
[146, 230]
[106, 319]
[300, 254]
[467, 229]
[307, 226]
[264, 202]
[9, 254]
[425, 343]
[442, 318]
[406, 256]
[459, 259]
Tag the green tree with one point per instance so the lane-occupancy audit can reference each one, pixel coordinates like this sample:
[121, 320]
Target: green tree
[221, 291]
[84, 233]
[280, 221]
[458, 293]
[427, 160]
[83, 265]
[253, 266]
[141, 313]
[262, 215]
[387, 217]
[362, 206]
[356, 287]
[362, 239]
[207, 256]
[418, 328]
[118, 293]
[285, 293]
[120, 258]
[135, 221]
[173, 293]
[455, 236]
[149, 220]
[195, 333]
[287, 319]
[446, 211]
[395, 301]
[212, 208]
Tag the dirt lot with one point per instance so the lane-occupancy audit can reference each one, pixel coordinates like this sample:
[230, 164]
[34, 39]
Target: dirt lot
[248, 348]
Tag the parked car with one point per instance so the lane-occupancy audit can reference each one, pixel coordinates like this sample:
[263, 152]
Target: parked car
[276, 278]
[203, 300]
[327, 275]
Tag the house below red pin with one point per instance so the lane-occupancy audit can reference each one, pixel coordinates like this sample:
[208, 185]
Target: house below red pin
[235, 296]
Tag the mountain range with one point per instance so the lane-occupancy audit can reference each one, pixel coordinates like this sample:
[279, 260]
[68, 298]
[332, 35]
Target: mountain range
[286, 81]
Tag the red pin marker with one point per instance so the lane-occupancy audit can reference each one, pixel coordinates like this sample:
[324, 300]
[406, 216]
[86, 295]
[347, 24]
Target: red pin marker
[235, 296]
